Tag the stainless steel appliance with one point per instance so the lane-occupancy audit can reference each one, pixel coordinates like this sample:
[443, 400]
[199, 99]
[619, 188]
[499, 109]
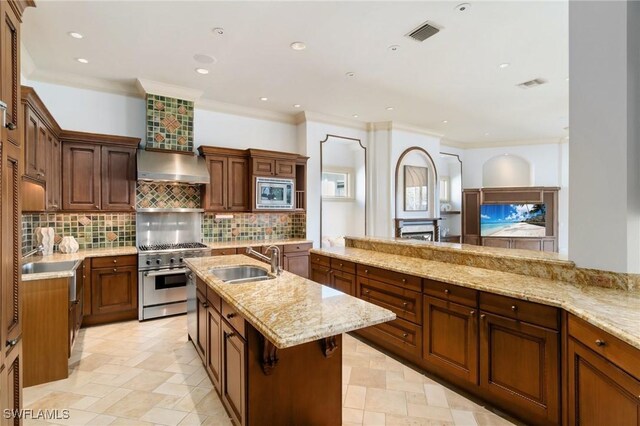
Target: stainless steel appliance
[164, 241]
[274, 193]
[171, 167]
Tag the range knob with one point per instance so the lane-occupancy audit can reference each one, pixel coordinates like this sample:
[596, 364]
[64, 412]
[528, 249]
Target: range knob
[158, 261]
[148, 262]
[181, 259]
[171, 260]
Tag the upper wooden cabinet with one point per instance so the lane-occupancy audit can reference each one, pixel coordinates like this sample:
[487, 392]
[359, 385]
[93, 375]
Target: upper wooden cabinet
[98, 172]
[228, 188]
[273, 163]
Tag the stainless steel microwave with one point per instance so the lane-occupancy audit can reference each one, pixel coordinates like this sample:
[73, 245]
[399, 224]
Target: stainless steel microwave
[274, 194]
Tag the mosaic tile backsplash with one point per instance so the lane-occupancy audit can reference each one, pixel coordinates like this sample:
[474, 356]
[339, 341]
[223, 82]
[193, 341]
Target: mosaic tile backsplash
[169, 123]
[90, 230]
[249, 226]
[167, 195]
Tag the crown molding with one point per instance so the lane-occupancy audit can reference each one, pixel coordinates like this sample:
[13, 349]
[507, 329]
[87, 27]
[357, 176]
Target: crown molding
[167, 89]
[317, 117]
[498, 144]
[234, 109]
[83, 82]
[396, 125]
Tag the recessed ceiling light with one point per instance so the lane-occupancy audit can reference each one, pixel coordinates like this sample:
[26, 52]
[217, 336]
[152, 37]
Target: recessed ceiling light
[75, 35]
[463, 7]
[389, 108]
[264, 99]
[298, 45]
[297, 105]
[355, 115]
[204, 59]
[202, 71]
[218, 30]
[504, 65]
[350, 74]
[394, 48]
[486, 134]
[82, 60]
[444, 121]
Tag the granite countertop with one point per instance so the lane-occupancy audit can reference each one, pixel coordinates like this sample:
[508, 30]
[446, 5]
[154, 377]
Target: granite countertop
[253, 243]
[289, 310]
[79, 255]
[612, 310]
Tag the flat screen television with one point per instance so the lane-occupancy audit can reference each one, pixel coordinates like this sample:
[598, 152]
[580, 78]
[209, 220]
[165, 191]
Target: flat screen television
[512, 220]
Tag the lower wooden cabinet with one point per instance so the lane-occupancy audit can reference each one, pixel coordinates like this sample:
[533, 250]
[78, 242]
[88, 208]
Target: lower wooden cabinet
[451, 338]
[214, 350]
[401, 337]
[11, 384]
[201, 330]
[297, 263]
[114, 290]
[519, 367]
[234, 377]
[320, 273]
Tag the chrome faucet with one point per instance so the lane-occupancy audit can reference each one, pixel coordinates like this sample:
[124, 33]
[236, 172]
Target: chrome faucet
[39, 249]
[274, 259]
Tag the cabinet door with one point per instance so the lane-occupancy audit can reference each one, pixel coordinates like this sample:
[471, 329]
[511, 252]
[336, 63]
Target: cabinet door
[11, 390]
[470, 215]
[599, 392]
[10, 75]
[526, 244]
[320, 274]
[233, 374]
[519, 367]
[114, 290]
[451, 338]
[215, 193]
[496, 242]
[41, 152]
[80, 176]
[201, 329]
[343, 281]
[264, 167]
[118, 178]
[31, 134]
[214, 346]
[285, 168]
[297, 263]
[238, 184]
[53, 172]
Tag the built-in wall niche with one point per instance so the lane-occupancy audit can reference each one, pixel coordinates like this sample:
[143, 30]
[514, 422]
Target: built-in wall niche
[416, 189]
[344, 189]
[450, 194]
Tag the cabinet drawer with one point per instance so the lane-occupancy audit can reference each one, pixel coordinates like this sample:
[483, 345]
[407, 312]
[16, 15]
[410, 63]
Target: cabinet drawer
[521, 310]
[399, 334]
[452, 293]
[320, 260]
[613, 349]
[343, 265]
[406, 304]
[111, 261]
[233, 318]
[390, 277]
[223, 251]
[294, 248]
[214, 299]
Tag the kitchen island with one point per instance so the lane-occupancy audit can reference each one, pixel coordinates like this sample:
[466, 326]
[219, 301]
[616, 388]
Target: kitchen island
[273, 348]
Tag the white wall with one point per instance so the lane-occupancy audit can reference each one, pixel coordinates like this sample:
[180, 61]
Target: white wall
[549, 167]
[604, 154]
[506, 170]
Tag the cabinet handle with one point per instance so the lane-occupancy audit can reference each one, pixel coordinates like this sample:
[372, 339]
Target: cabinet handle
[115, 260]
[12, 342]
[205, 305]
[341, 264]
[10, 126]
[40, 174]
[472, 313]
[366, 271]
[405, 335]
[229, 335]
[231, 315]
[600, 342]
[97, 207]
[115, 269]
[75, 302]
[404, 280]
[405, 304]
[482, 316]
[446, 291]
[514, 308]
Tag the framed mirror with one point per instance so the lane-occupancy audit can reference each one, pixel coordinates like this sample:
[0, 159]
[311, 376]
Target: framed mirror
[416, 193]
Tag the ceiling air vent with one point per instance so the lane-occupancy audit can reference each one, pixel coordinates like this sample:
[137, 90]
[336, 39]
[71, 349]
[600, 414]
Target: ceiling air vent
[532, 83]
[423, 32]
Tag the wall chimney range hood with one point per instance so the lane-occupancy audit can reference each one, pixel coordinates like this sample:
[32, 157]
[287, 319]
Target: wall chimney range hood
[166, 166]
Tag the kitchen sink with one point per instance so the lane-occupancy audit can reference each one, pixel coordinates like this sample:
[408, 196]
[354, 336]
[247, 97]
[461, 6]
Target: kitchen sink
[40, 267]
[241, 274]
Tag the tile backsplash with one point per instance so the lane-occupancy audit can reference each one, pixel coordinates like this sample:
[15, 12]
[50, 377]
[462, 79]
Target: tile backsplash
[169, 123]
[167, 195]
[250, 226]
[90, 230]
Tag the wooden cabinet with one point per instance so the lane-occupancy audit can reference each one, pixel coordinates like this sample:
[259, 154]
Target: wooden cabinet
[234, 374]
[406, 304]
[35, 146]
[471, 216]
[269, 166]
[323, 272]
[214, 346]
[296, 258]
[201, 328]
[519, 367]
[228, 188]
[54, 174]
[98, 177]
[320, 273]
[450, 341]
[11, 378]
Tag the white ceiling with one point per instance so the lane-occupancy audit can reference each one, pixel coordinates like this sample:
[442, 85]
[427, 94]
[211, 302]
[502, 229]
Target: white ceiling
[453, 76]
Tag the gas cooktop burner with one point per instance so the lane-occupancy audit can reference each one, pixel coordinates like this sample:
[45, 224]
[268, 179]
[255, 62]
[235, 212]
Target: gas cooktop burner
[179, 246]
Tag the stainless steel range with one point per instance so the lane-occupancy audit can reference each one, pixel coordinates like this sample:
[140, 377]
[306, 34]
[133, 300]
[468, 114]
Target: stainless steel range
[164, 241]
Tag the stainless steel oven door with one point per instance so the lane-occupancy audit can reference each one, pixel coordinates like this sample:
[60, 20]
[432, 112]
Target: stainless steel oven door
[164, 286]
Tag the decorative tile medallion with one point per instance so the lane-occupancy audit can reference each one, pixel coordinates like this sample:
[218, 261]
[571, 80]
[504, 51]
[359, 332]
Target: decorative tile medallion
[164, 196]
[169, 123]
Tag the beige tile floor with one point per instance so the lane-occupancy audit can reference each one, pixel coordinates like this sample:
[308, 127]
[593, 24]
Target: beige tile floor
[149, 373]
